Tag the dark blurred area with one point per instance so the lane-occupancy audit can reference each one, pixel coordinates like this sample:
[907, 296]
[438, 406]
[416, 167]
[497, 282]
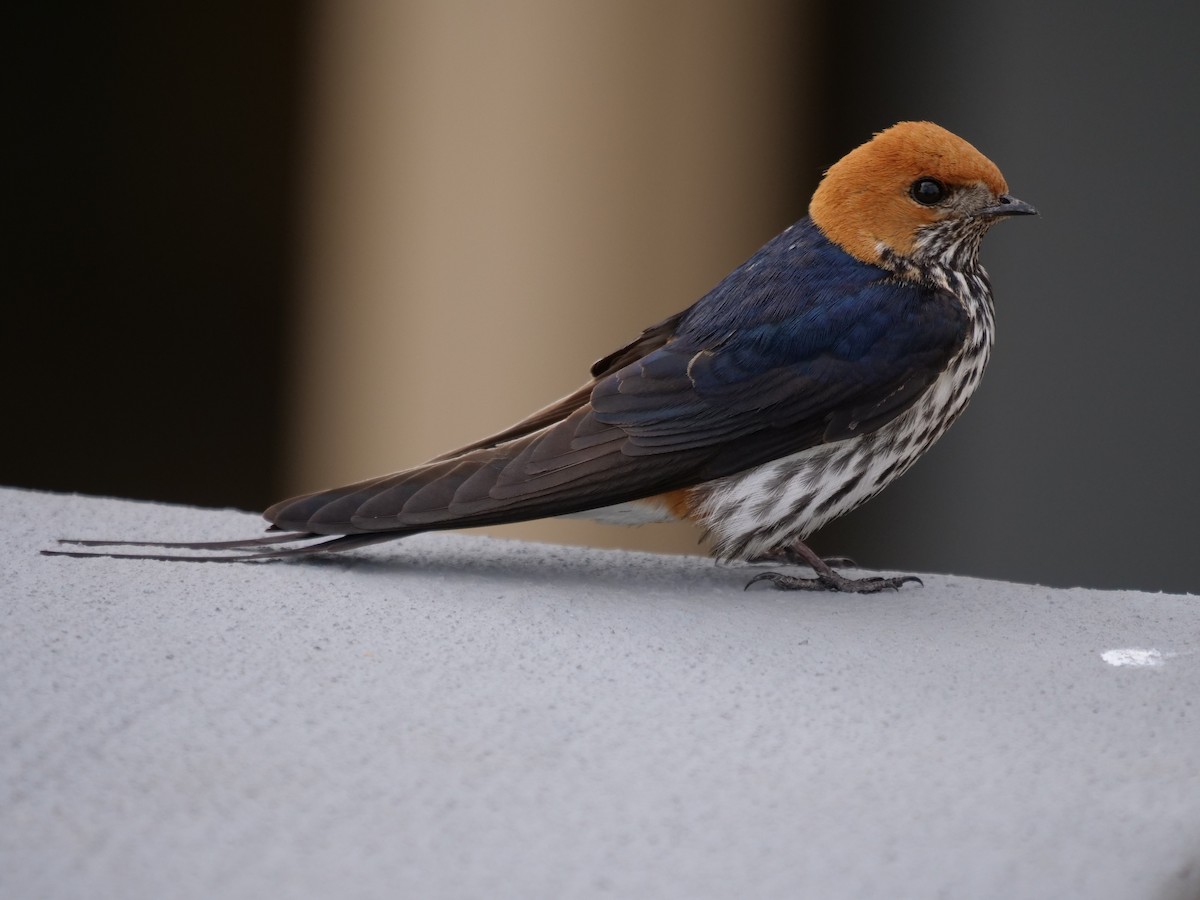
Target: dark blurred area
[1077, 461]
[151, 258]
[149, 270]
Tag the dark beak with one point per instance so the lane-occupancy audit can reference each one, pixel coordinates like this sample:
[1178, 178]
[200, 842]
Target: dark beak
[1007, 205]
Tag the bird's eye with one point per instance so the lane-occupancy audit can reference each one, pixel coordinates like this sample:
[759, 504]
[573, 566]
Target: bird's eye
[927, 191]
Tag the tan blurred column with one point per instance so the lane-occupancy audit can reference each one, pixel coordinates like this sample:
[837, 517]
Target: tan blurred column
[500, 193]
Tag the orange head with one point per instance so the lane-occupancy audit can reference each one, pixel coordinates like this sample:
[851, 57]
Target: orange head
[910, 181]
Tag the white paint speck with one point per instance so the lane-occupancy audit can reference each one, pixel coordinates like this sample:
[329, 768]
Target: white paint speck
[1134, 656]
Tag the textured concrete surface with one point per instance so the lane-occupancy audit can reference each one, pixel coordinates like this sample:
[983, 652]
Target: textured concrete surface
[452, 716]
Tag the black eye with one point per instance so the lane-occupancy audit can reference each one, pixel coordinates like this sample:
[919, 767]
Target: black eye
[927, 191]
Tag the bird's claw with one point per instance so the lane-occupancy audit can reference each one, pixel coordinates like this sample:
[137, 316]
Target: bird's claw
[832, 581]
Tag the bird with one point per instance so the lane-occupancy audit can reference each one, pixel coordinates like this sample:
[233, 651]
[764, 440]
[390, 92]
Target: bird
[799, 387]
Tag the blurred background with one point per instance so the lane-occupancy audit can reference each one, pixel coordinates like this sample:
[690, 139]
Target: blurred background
[258, 249]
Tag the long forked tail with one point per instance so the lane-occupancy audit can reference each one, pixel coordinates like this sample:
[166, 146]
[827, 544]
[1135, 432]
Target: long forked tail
[575, 465]
[325, 544]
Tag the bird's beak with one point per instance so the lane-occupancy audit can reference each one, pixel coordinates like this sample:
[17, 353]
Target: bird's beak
[1006, 205]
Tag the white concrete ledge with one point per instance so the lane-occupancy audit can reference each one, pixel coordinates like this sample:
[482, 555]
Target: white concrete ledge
[451, 716]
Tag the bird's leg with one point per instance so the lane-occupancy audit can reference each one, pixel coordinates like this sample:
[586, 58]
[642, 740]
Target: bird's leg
[789, 555]
[827, 579]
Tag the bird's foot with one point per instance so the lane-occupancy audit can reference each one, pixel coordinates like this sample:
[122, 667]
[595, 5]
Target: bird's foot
[832, 581]
[798, 553]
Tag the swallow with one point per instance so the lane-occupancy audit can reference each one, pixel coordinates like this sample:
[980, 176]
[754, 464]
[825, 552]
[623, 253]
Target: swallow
[810, 378]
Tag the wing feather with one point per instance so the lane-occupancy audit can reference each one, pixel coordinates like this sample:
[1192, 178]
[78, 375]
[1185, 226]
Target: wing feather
[756, 370]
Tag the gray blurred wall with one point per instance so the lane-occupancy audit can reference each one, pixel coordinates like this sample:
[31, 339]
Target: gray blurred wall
[1077, 463]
